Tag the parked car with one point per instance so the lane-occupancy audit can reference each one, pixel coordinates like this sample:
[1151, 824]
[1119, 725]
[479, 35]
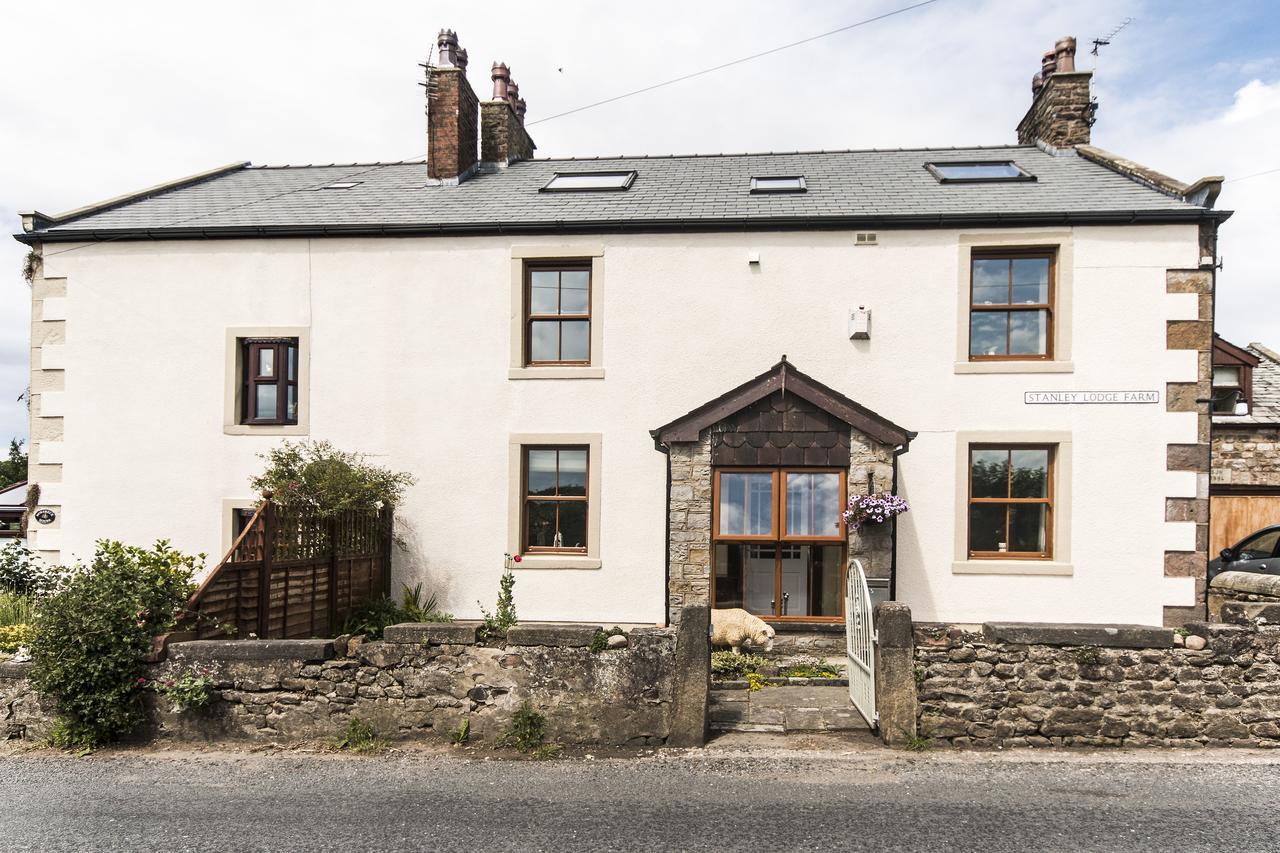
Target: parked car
[1258, 552]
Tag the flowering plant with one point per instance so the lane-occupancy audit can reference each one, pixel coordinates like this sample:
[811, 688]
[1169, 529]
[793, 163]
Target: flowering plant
[873, 509]
[192, 688]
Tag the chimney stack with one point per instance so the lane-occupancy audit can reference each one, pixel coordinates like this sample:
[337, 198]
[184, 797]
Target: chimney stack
[452, 108]
[1062, 110]
[503, 139]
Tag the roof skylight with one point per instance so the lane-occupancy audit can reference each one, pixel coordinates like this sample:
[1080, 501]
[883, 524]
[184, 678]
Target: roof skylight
[779, 184]
[585, 181]
[341, 185]
[974, 171]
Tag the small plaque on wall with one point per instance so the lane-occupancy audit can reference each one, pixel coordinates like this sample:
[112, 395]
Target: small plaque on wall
[45, 516]
[1067, 398]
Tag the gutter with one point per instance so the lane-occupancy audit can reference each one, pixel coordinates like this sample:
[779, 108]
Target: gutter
[758, 223]
[666, 524]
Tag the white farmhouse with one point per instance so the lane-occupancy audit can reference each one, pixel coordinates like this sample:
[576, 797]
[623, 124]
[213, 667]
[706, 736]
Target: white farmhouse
[659, 379]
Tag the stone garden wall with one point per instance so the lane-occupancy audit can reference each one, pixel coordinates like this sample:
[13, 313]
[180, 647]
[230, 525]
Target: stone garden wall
[423, 680]
[1044, 685]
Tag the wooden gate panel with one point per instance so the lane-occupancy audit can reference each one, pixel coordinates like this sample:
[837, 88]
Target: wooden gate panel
[1233, 517]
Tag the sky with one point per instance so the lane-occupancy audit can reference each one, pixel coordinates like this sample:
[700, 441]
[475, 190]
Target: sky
[99, 99]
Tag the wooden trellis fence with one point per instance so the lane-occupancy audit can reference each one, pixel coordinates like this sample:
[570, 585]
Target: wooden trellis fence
[292, 573]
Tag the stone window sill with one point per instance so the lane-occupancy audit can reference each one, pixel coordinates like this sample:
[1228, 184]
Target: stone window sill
[555, 373]
[1011, 567]
[557, 561]
[1015, 367]
[265, 429]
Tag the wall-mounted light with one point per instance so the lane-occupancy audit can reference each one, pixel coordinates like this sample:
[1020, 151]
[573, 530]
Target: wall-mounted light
[753, 258]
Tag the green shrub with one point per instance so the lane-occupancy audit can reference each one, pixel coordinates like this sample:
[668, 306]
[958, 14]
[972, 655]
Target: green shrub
[360, 737]
[600, 641]
[505, 615]
[90, 638]
[317, 475]
[809, 668]
[373, 616]
[729, 665]
[528, 733]
[192, 688]
[14, 637]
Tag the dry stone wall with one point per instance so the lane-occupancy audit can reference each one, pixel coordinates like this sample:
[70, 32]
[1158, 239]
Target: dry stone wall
[978, 690]
[1245, 455]
[422, 681]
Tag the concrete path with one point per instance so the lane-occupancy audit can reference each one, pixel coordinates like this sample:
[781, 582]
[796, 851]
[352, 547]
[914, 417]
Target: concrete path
[746, 794]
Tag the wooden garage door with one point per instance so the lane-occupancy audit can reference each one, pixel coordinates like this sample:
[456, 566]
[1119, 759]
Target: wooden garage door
[1234, 517]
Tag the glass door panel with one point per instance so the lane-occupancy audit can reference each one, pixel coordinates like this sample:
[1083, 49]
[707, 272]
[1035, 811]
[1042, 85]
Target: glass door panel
[760, 569]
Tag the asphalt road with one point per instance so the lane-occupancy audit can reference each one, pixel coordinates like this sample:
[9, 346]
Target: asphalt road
[746, 797]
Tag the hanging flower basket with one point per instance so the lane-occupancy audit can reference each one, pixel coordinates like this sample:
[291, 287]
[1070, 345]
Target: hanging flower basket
[873, 509]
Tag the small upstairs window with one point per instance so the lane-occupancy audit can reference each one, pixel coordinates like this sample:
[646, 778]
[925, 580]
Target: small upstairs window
[270, 381]
[1232, 378]
[778, 184]
[589, 181]
[975, 172]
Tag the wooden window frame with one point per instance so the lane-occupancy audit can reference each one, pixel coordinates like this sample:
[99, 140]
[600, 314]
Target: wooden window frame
[1009, 502]
[559, 266]
[1008, 308]
[778, 537]
[526, 498]
[250, 348]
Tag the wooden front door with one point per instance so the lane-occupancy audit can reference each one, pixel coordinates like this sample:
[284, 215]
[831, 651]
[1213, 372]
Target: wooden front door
[779, 541]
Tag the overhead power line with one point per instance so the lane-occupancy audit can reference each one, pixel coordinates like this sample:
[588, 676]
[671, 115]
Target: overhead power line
[1254, 175]
[734, 62]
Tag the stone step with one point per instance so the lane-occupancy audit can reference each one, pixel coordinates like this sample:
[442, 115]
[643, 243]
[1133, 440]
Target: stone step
[784, 709]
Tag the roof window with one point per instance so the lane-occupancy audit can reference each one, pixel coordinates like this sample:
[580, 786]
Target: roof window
[973, 172]
[341, 185]
[778, 184]
[585, 181]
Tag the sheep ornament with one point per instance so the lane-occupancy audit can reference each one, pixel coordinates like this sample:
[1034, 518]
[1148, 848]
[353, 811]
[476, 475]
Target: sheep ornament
[735, 628]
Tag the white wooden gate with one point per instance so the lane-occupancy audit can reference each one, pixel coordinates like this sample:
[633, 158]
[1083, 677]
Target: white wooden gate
[860, 642]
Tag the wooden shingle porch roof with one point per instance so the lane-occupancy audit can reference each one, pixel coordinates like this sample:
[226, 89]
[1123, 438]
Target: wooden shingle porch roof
[784, 377]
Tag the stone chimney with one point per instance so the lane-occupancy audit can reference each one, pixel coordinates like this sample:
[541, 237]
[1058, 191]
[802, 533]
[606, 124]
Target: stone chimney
[1061, 107]
[452, 113]
[503, 139]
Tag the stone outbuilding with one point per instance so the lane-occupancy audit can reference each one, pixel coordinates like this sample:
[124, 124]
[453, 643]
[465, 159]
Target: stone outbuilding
[1245, 484]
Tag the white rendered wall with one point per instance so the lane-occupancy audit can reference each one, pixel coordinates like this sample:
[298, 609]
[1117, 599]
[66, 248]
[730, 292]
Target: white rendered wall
[409, 363]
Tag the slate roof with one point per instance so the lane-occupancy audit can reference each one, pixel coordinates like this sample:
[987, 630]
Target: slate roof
[1266, 390]
[845, 189]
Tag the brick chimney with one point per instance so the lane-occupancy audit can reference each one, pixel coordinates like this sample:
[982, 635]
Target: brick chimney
[503, 139]
[452, 112]
[1061, 107]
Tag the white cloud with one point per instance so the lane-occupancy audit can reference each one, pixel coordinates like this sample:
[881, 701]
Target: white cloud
[1235, 140]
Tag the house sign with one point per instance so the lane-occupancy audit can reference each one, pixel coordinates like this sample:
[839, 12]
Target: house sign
[45, 516]
[1079, 397]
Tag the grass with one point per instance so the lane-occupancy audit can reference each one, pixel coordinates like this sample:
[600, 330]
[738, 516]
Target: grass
[921, 741]
[361, 738]
[15, 608]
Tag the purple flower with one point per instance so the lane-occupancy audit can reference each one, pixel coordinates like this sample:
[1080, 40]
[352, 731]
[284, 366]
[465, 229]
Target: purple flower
[874, 508]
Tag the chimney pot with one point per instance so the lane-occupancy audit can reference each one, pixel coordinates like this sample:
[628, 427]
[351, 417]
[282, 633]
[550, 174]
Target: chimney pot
[513, 93]
[1037, 83]
[520, 108]
[447, 42]
[1048, 63]
[1065, 54]
[501, 75]
[462, 58]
